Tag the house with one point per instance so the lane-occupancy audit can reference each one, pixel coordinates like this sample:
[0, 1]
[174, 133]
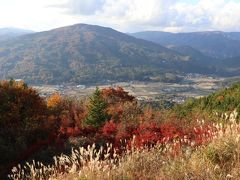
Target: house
[81, 86]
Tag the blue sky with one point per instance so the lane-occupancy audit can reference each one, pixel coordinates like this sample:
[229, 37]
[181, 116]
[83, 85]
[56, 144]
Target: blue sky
[123, 15]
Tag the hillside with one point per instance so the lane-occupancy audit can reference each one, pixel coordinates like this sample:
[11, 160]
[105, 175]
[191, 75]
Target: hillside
[215, 44]
[88, 54]
[226, 100]
[197, 55]
[231, 64]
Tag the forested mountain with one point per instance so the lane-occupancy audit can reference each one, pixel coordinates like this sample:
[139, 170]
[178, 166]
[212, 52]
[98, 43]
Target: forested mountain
[231, 65]
[8, 33]
[215, 44]
[86, 53]
[197, 55]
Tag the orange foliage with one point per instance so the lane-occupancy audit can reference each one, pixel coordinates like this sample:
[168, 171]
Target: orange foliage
[116, 95]
[117, 100]
[54, 100]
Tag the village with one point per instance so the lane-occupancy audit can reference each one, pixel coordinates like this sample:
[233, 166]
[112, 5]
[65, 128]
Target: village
[192, 86]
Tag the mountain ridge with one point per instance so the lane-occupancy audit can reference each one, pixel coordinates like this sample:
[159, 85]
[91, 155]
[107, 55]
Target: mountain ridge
[85, 53]
[216, 44]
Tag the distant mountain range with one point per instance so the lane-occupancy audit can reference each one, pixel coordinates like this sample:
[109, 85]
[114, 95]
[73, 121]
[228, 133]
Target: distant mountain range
[215, 44]
[8, 33]
[89, 54]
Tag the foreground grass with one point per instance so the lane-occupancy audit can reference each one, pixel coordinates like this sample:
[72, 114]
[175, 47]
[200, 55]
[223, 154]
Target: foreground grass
[217, 158]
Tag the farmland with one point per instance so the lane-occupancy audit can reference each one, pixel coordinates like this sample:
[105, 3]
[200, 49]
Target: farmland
[191, 86]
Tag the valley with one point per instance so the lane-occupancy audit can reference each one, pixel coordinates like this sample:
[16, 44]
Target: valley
[191, 86]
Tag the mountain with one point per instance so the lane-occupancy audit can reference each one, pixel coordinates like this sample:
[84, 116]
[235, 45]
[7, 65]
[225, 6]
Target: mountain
[234, 35]
[88, 54]
[8, 33]
[197, 55]
[215, 44]
[232, 65]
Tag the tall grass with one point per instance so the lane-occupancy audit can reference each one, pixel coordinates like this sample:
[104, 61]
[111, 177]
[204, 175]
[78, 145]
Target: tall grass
[216, 157]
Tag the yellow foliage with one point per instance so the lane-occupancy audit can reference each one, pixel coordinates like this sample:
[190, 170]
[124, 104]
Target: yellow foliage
[54, 100]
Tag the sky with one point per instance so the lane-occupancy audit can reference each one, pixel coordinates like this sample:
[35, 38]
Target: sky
[123, 15]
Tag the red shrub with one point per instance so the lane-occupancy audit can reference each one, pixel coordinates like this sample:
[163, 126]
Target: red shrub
[171, 131]
[147, 134]
[109, 129]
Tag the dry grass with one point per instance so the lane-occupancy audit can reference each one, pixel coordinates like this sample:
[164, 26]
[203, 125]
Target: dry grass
[219, 159]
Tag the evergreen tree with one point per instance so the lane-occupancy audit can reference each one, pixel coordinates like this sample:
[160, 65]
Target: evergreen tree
[97, 110]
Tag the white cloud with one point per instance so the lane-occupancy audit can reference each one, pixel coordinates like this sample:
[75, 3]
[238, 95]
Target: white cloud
[209, 15]
[31, 14]
[80, 7]
[124, 15]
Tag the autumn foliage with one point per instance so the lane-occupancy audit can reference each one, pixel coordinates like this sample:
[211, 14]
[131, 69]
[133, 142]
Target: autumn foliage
[22, 117]
[54, 100]
[37, 126]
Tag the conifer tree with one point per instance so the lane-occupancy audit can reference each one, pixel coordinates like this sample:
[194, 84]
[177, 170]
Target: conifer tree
[97, 114]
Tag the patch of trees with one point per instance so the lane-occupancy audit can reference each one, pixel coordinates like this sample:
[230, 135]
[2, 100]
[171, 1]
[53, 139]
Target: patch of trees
[226, 100]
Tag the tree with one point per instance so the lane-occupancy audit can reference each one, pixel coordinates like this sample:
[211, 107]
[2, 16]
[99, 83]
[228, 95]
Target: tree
[97, 110]
[20, 107]
[54, 100]
[22, 116]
